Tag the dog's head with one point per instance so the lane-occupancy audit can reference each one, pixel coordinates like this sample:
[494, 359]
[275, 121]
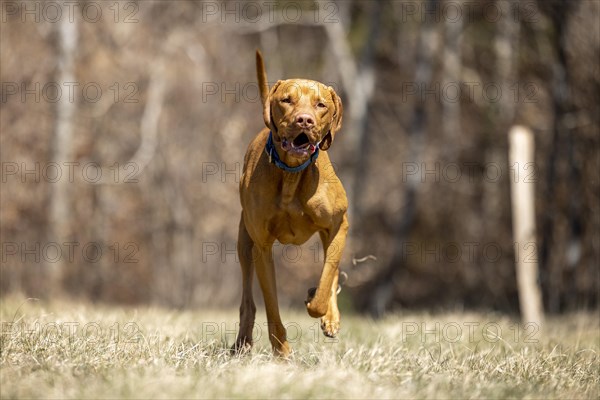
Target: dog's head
[301, 113]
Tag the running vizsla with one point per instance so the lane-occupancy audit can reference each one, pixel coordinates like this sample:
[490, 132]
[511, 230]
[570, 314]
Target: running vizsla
[289, 191]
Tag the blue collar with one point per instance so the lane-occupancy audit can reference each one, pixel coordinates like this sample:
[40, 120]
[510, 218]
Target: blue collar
[274, 157]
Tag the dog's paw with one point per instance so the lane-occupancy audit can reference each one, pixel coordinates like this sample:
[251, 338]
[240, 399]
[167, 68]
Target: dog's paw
[311, 295]
[282, 350]
[315, 308]
[330, 327]
[311, 307]
[241, 347]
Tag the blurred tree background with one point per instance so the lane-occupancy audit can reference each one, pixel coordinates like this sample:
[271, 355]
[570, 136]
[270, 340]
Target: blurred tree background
[124, 125]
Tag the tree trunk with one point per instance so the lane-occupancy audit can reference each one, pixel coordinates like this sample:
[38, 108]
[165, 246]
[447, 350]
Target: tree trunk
[62, 152]
[425, 53]
[359, 84]
[521, 156]
[452, 77]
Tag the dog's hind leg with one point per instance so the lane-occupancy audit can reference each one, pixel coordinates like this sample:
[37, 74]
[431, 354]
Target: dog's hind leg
[247, 308]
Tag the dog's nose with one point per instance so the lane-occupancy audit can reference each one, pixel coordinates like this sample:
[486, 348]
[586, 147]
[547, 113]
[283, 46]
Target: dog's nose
[305, 120]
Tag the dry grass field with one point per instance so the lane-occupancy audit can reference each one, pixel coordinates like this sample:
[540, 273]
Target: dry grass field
[73, 350]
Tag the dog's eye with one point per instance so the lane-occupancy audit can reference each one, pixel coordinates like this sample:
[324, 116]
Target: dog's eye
[321, 105]
[286, 100]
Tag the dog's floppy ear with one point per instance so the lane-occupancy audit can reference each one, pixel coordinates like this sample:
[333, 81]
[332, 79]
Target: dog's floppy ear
[263, 86]
[267, 114]
[336, 120]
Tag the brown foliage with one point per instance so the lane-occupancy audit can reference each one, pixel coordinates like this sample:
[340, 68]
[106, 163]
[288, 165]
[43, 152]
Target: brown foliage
[167, 229]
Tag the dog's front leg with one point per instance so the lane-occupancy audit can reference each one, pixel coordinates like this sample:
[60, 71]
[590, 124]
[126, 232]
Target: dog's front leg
[324, 301]
[265, 270]
[330, 322]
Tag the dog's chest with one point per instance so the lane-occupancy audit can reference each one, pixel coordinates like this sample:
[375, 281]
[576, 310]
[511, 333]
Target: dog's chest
[296, 215]
[291, 224]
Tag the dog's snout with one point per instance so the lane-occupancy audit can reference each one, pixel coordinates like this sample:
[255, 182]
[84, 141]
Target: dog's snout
[305, 120]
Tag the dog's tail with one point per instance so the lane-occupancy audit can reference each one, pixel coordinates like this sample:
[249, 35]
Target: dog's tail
[261, 73]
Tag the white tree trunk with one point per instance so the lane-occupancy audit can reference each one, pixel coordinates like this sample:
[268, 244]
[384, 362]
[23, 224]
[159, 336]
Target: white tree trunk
[523, 215]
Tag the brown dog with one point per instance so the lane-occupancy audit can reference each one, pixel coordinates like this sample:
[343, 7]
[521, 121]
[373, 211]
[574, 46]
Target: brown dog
[289, 191]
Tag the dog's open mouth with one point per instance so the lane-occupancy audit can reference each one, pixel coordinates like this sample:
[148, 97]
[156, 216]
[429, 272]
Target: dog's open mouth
[301, 140]
[299, 147]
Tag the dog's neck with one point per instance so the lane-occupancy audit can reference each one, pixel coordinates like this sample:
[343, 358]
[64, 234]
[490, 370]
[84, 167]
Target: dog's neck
[290, 170]
[290, 182]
